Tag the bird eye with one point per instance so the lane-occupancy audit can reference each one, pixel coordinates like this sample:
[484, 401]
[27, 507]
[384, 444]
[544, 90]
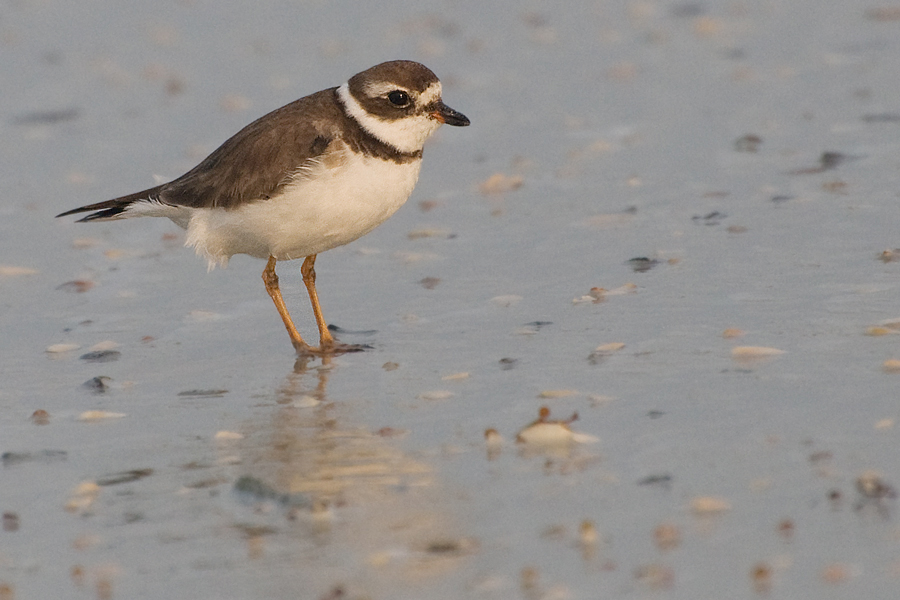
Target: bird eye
[399, 98]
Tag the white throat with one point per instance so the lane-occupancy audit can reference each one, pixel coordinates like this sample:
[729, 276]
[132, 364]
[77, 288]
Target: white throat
[406, 135]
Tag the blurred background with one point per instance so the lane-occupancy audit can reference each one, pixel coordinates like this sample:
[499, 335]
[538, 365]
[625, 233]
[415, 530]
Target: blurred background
[673, 220]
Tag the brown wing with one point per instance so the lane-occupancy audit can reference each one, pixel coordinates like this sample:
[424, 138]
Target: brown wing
[252, 165]
[259, 160]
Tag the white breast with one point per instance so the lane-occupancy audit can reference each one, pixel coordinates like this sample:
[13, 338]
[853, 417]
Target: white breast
[328, 204]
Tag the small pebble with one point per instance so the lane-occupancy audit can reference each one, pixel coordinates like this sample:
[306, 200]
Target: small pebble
[202, 316]
[529, 579]
[60, 348]
[703, 505]
[554, 532]
[82, 497]
[891, 365]
[835, 497]
[102, 356]
[97, 385]
[628, 288]
[891, 255]
[234, 103]
[77, 286]
[429, 232]
[508, 363]
[435, 395]
[835, 573]
[85, 242]
[455, 376]
[786, 529]
[707, 26]
[86, 541]
[596, 295]
[549, 394]
[609, 221]
[748, 143]
[212, 393]
[506, 301]
[883, 13]
[602, 352]
[103, 346]
[835, 187]
[12, 271]
[392, 432]
[494, 442]
[498, 183]
[709, 219]
[10, 521]
[413, 257]
[667, 536]
[879, 331]
[599, 399]
[871, 485]
[609, 348]
[656, 577]
[751, 352]
[9, 459]
[587, 533]
[40, 417]
[892, 324]
[104, 587]
[761, 484]
[123, 477]
[642, 264]
[761, 576]
[451, 547]
[99, 415]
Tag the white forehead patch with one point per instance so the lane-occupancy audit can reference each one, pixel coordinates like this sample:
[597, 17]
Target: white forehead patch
[431, 93]
[407, 134]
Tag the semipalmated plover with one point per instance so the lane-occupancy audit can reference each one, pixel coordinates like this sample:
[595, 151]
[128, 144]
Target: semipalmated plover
[310, 176]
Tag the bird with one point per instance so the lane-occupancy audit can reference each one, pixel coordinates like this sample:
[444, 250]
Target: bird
[310, 176]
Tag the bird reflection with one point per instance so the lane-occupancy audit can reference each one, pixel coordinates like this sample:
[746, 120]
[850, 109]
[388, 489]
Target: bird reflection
[348, 489]
[320, 456]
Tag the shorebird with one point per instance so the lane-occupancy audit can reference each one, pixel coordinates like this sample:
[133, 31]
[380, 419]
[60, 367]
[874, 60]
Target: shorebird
[310, 176]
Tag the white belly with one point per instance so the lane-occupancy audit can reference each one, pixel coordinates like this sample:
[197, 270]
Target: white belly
[324, 208]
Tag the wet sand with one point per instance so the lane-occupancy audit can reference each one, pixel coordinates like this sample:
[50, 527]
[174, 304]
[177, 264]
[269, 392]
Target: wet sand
[676, 223]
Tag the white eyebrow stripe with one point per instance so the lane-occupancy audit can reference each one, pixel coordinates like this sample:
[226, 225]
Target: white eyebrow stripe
[382, 88]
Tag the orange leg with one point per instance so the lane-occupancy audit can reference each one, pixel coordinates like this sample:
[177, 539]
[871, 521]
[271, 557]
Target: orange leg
[270, 279]
[308, 271]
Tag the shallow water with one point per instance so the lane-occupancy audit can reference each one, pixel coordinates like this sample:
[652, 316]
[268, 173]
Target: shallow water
[601, 133]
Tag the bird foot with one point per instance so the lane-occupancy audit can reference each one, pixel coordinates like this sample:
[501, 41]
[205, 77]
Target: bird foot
[329, 349]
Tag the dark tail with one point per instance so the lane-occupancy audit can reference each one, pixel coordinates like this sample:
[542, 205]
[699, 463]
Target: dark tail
[112, 209]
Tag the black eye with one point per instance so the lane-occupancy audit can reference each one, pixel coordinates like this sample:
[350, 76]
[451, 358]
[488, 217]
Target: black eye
[399, 98]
